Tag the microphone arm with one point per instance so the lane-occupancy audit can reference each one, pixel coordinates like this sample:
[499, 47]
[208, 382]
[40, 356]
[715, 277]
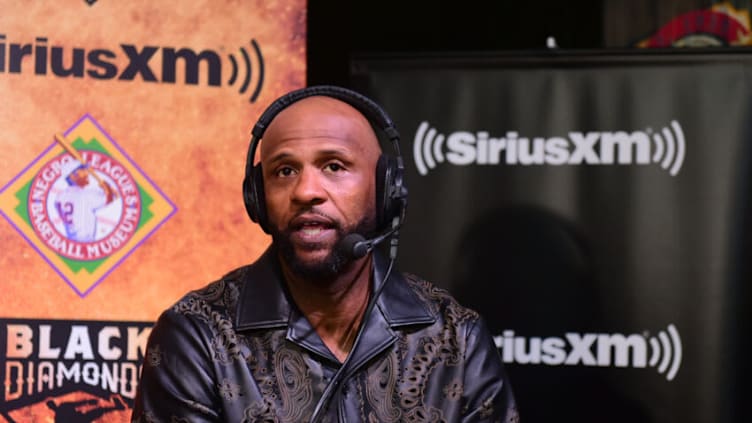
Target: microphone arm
[343, 371]
[356, 246]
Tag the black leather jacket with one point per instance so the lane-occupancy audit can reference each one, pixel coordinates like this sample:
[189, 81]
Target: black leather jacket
[239, 350]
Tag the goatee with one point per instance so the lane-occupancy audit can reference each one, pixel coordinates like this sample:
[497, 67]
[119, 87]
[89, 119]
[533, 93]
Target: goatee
[334, 262]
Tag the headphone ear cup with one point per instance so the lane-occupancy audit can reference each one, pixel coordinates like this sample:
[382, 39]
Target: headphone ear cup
[253, 196]
[387, 207]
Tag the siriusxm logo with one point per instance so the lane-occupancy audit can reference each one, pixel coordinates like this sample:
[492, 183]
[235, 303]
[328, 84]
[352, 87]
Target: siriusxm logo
[130, 62]
[665, 147]
[596, 349]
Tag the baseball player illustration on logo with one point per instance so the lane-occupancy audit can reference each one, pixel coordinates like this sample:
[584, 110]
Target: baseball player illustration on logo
[78, 203]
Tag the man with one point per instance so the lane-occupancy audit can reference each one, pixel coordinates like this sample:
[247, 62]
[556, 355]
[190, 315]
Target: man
[319, 328]
[77, 205]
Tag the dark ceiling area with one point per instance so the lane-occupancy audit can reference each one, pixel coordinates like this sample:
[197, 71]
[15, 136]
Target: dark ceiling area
[338, 29]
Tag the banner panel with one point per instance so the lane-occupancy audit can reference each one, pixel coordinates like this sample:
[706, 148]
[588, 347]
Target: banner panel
[593, 209]
[125, 127]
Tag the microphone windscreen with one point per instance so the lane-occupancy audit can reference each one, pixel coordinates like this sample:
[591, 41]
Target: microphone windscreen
[354, 246]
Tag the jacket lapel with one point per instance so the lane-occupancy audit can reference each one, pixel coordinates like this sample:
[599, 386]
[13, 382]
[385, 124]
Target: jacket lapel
[264, 304]
[396, 305]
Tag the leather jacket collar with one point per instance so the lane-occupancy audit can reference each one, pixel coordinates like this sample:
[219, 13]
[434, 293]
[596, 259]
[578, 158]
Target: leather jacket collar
[264, 303]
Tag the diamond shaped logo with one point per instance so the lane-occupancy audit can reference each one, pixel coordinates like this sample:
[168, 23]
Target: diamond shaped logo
[84, 205]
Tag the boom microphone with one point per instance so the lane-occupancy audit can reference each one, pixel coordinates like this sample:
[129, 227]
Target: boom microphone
[356, 246]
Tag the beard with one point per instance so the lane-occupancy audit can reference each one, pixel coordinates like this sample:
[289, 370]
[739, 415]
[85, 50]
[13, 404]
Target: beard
[333, 263]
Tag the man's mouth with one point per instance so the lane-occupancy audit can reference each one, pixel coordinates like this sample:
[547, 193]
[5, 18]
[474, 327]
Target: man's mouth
[313, 231]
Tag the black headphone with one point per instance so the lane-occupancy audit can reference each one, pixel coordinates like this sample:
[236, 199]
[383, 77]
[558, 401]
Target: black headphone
[391, 193]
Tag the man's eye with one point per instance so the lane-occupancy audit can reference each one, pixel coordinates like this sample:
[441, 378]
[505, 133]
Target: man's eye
[285, 171]
[334, 167]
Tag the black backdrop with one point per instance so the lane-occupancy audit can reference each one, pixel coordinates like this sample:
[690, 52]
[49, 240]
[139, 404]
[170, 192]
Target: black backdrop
[581, 249]
[338, 30]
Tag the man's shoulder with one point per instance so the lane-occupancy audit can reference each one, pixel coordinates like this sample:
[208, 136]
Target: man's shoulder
[438, 300]
[220, 295]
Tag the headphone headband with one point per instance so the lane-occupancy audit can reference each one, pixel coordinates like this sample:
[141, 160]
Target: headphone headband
[372, 111]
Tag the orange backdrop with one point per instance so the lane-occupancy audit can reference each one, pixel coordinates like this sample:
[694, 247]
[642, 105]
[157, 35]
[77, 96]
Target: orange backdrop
[166, 92]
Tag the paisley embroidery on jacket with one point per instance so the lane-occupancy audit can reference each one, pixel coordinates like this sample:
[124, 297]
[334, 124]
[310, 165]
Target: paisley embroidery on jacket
[261, 347]
[294, 385]
[259, 362]
[414, 380]
[225, 347]
[228, 390]
[260, 411]
[424, 415]
[486, 408]
[440, 348]
[453, 391]
[381, 382]
[212, 293]
[193, 305]
[231, 296]
[224, 341]
[454, 315]
[436, 299]
[154, 356]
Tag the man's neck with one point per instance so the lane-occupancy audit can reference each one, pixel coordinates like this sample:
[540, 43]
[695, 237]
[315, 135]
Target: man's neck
[334, 308]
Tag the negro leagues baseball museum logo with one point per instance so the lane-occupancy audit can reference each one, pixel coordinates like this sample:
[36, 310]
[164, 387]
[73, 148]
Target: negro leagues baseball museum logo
[84, 205]
[664, 147]
[662, 351]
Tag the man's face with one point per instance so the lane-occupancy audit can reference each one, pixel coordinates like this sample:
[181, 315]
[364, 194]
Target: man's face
[319, 163]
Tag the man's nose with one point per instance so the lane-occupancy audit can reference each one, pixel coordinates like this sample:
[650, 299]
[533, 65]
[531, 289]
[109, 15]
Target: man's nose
[308, 188]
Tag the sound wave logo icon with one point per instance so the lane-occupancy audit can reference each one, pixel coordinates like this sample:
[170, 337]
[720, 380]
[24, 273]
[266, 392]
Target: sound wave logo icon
[248, 70]
[667, 349]
[596, 349]
[669, 148]
[428, 145]
[665, 148]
